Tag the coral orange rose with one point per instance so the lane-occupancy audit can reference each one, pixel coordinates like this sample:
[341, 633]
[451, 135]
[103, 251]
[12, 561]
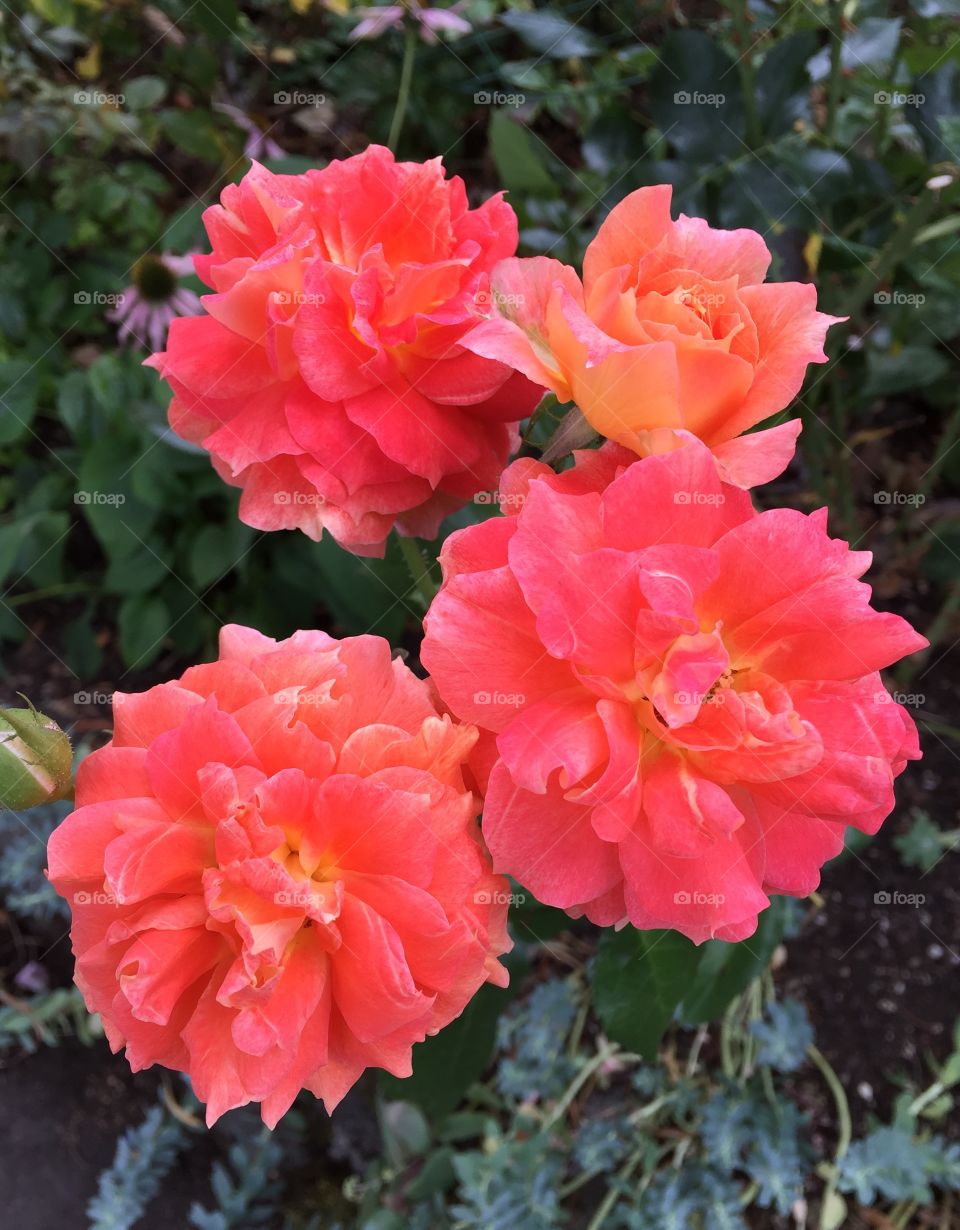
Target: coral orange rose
[672, 329]
[683, 692]
[275, 872]
[328, 379]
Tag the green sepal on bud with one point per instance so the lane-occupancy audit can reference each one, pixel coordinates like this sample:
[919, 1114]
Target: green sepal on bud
[36, 759]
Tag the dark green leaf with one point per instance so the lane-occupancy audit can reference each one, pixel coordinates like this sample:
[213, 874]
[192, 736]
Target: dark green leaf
[80, 648]
[107, 382]
[725, 970]
[871, 47]
[519, 157]
[551, 35]
[18, 398]
[193, 132]
[365, 595]
[142, 93]
[217, 17]
[446, 1065]
[695, 97]
[782, 84]
[899, 371]
[72, 401]
[143, 624]
[639, 980]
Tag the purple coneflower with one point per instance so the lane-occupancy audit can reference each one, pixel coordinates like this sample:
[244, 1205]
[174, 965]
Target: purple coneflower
[147, 307]
[375, 21]
[258, 145]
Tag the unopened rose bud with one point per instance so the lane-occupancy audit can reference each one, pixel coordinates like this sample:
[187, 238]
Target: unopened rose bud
[35, 759]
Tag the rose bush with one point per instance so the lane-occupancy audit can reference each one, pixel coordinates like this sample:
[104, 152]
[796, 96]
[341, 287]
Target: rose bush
[275, 869]
[683, 691]
[328, 379]
[275, 874]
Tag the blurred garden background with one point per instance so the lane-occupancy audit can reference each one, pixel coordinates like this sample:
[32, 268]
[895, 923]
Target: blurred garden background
[818, 1092]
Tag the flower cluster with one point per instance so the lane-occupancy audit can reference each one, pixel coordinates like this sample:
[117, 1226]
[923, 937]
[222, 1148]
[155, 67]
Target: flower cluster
[669, 702]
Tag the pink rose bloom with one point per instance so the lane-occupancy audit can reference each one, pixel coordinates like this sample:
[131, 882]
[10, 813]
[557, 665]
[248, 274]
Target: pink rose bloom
[328, 379]
[683, 691]
[671, 329]
[276, 874]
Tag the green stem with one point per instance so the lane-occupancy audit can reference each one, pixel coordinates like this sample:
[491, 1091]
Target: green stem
[403, 93]
[52, 591]
[726, 1041]
[651, 1108]
[613, 1192]
[741, 23]
[419, 569]
[948, 439]
[951, 732]
[836, 70]
[924, 1099]
[701, 1037]
[901, 1213]
[582, 1179]
[883, 120]
[574, 1044]
[844, 1126]
[934, 634]
[561, 1108]
[839, 458]
[754, 1006]
[748, 1195]
[896, 249]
